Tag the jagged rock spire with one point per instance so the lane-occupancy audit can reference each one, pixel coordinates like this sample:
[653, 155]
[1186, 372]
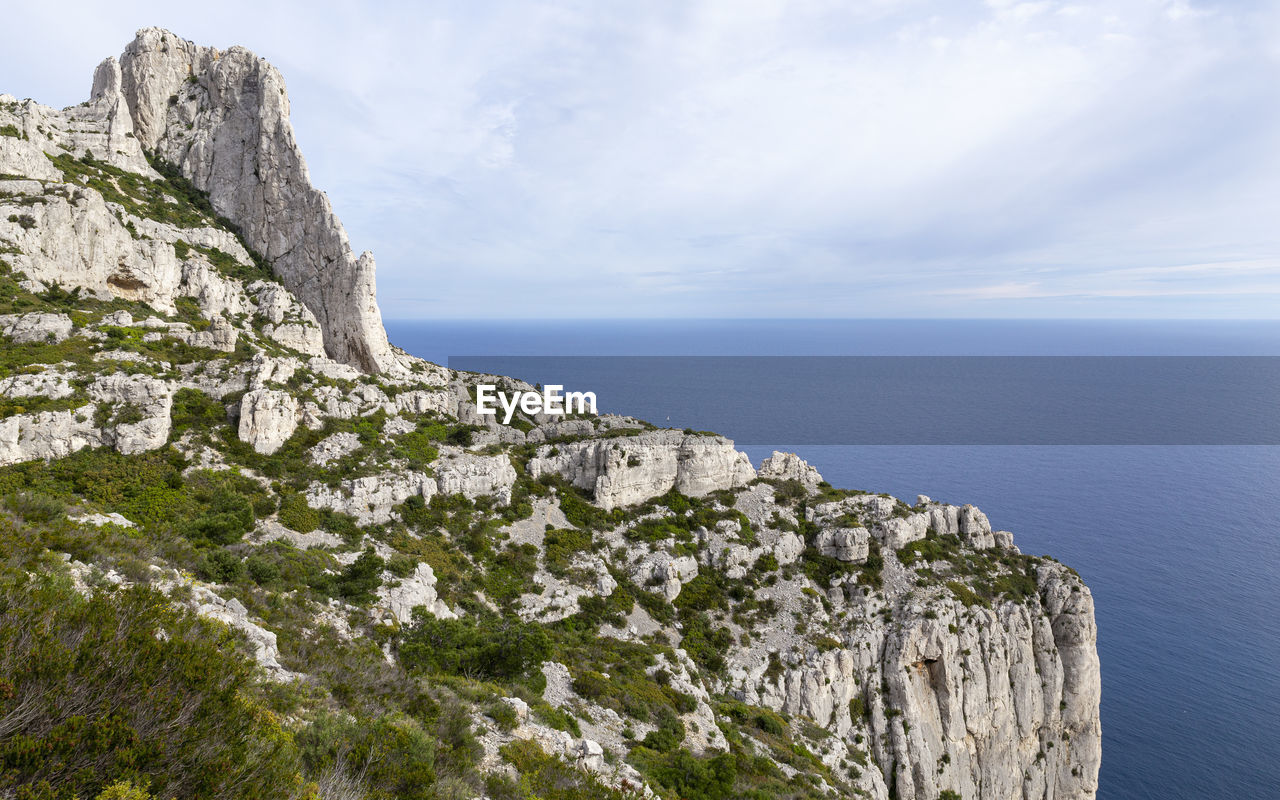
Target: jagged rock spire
[223, 118]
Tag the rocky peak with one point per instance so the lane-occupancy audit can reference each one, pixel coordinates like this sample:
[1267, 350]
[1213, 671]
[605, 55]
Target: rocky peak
[222, 117]
[684, 613]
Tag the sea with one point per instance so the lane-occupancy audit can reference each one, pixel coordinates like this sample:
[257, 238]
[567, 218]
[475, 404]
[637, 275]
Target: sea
[1174, 524]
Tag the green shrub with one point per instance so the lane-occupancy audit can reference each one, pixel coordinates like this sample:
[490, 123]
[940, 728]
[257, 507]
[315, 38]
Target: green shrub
[361, 578]
[262, 570]
[556, 718]
[560, 546]
[767, 562]
[770, 723]
[690, 777]
[705, 642]
[124, 790]
[96, 697]
[498, 649]
[291, 567]
[460, 435]
[222, 566]
[578, 510]
[417, 448]
[35, 507]
[509, 573]
[668, 736]
[789, 492]
[592, 685]
[193, 409]
[858, 710]
[546, 777]
[229, 517]
[966, 595]
[391, 756]
[503, 714]
[296, 515]
[933, 547]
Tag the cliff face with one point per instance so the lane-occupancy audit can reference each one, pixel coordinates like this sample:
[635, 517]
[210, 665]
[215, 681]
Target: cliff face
[223, 119]
[684, 623]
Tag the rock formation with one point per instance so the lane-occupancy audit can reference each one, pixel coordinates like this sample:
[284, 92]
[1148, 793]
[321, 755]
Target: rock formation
[336, 496]
[627, 470]
[223, 119]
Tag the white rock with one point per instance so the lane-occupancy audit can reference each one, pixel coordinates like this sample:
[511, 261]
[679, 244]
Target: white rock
[789, 466]
[35, 327]
[268, 417]
[49, 383]
[238, 98]
[331, 448]
[417, 590]
[476, 476]
[844, 544]
[270, 530]
[370, 499]
[589, 754]
[98, 520]
[152, 397]
[46, 435]
[667, 572]
[627, 470]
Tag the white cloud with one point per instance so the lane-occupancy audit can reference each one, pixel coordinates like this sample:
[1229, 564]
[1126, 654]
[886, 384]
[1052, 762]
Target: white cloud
[765, 158]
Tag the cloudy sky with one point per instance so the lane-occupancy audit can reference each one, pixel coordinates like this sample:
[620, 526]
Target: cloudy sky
[748, 158]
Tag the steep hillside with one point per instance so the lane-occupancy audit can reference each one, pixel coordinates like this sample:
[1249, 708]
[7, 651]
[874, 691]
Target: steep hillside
[251, 550]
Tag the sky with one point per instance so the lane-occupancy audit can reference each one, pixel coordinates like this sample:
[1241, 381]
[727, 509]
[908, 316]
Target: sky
[759, 158]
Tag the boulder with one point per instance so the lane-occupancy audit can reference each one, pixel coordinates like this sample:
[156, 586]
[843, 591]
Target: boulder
[28, 328]
[789, 467]
[268, 417]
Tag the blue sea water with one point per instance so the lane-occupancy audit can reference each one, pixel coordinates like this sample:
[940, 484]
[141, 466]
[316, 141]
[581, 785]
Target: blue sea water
[1178, 542]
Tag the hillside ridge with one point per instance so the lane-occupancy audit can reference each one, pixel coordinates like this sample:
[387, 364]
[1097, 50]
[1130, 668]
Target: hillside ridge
[336, 579]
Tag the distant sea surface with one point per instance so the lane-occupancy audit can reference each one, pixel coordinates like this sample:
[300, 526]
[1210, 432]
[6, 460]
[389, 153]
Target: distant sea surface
[1179, 543]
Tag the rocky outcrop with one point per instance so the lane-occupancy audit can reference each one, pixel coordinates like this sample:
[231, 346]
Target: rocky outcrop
[789, 467]
[46, 435]
[129, 412]
[400, 597]
[987, 702]
[665, 573]
[288, 322]
[150, 399]
[268, 417]
[631, 469]
[233, 614]
[223, 118]
[49, 383]
[844, 544]
[370, 499]
[28, 328]
[475, 476]
[332, 448]
[77, 240]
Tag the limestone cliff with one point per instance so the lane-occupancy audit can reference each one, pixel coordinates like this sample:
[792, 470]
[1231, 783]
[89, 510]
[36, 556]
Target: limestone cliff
[223, 118]
[197, 395]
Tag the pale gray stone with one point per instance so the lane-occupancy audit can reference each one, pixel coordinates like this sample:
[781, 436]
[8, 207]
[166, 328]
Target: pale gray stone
[229, 132]
[627, 470]
[268, 417]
